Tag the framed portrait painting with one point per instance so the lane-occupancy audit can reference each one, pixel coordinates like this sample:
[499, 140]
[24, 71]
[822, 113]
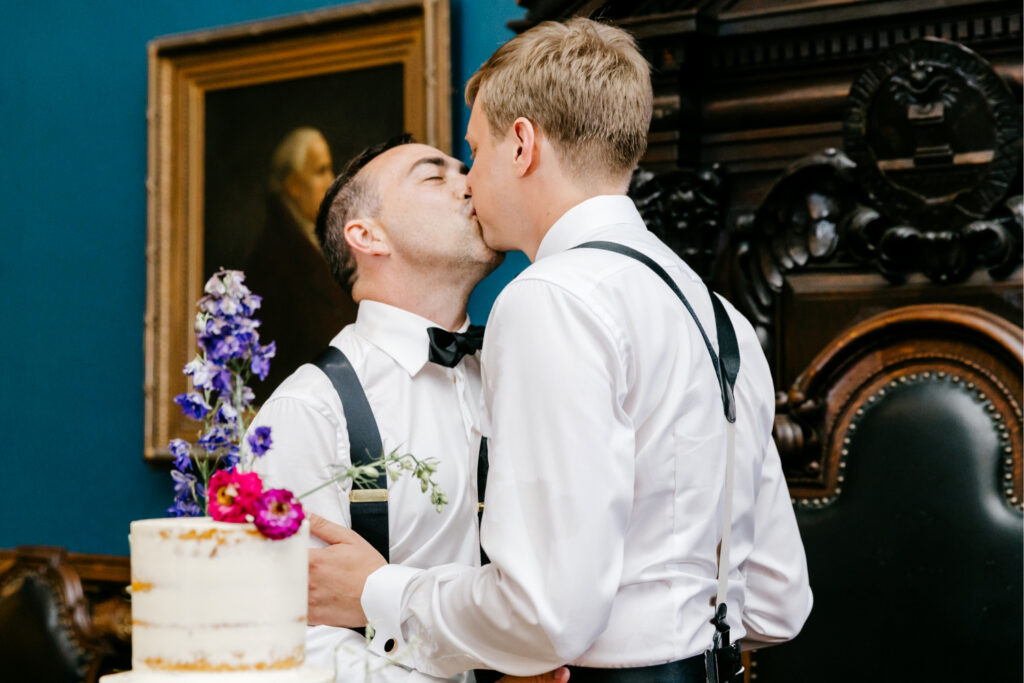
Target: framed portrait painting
[247, 126]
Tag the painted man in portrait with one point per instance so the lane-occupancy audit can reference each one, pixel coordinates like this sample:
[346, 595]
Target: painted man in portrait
[303, 306]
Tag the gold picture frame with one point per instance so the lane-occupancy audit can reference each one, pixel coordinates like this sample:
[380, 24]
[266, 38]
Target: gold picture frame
[347, 57]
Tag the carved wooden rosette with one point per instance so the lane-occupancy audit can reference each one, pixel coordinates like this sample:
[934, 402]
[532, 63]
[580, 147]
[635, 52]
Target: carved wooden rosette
[686, 210]
[918, 192]
[935, 134]
[800, 223]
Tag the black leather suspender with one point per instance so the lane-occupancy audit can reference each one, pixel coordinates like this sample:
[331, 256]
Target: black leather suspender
[727, 361]
[370, 517]
[721, 663]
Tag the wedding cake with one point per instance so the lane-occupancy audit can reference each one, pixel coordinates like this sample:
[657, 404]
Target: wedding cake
[217, 601]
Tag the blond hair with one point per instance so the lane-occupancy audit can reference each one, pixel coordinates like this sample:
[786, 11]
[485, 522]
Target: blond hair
[584, 84]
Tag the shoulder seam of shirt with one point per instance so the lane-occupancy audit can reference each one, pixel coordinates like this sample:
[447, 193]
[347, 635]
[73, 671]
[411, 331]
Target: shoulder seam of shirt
[600, 313]
[310, 401]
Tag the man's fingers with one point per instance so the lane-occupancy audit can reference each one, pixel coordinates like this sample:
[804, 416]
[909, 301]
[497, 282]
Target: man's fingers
[329, 531]
[559, 675]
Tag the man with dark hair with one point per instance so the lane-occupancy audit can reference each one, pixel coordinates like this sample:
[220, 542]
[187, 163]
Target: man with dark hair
[634, 487]
[399, 231]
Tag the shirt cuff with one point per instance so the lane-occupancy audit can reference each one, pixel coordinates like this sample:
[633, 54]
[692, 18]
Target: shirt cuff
[382, 604]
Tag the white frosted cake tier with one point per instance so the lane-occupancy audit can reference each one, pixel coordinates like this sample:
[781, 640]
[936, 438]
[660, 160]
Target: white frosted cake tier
[303, 674]
[214, 600]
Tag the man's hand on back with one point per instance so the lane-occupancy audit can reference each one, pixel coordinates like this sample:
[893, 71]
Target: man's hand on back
[338, 573]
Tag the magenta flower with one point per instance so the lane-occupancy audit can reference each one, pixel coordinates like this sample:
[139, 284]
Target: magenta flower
[277, 514]
[232, 495]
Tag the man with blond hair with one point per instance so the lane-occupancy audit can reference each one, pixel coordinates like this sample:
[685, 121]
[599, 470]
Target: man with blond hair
[608, 405]
[400, 235]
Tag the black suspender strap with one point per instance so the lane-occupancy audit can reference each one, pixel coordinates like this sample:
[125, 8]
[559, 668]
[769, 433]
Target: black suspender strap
[721, 662]
[727, 361]
[369, 507]
[481, 485]
[363, 436]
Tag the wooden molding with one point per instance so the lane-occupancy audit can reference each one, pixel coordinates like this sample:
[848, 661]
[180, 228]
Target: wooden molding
[183, 69]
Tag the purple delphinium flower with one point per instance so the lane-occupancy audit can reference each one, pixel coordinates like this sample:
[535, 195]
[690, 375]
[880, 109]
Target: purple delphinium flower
[215, 437]
[226, 414]
[193, 405]
[215, 285]
[261, 360]
[229, 351]
[186, 486]
[260, 441]
[251, 302]
[208, 376]
[231, 458]
[277, 514]
[233, 286]
[181, 450]
[184, 508]
[225, 348]
[230, 306]
[222, 380]
[213, 327]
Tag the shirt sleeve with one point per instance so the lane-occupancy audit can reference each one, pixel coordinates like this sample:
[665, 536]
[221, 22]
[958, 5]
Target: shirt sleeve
[778, 593]
[310, 445]
[559, 495]
[305, 452]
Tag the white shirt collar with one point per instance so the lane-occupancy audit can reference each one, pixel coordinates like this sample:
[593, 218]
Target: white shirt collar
[397, 332]
[578, 224]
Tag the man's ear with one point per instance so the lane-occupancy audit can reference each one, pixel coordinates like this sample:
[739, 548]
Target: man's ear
[367, 236]
[526, 152]
[293, 186]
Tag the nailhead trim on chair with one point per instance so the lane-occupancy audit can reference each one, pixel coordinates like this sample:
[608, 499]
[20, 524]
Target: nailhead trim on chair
[1006, 448]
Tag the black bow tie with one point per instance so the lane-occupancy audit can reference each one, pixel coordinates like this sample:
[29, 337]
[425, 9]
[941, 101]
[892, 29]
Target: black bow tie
[448, 348]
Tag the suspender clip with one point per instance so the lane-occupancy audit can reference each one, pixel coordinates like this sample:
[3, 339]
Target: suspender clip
[368, 496]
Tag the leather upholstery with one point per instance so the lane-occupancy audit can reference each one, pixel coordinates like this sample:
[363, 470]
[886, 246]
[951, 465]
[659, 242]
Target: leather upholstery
[42, 620]
[916, 555]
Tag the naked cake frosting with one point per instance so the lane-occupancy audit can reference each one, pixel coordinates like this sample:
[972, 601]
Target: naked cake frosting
[216, 600]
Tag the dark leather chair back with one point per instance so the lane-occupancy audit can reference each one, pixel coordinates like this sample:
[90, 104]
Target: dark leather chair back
[44, 620]
[902, 443]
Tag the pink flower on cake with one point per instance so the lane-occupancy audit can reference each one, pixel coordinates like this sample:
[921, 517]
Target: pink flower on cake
[277, 514]
[232, 495]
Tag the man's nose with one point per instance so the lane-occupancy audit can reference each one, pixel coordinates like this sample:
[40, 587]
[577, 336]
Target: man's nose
[467, 192]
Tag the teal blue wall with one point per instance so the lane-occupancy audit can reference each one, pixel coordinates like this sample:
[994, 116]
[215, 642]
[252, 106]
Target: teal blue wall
[72, 262]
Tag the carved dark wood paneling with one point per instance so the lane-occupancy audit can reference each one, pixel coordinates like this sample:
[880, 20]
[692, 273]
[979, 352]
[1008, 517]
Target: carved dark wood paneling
[685, 210]
[933, 188]
[936, 138]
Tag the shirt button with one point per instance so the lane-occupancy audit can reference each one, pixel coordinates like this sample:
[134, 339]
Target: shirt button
[389, 645]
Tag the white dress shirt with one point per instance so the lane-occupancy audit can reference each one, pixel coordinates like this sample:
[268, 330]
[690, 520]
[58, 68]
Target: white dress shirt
[607, 468]
[421, 408]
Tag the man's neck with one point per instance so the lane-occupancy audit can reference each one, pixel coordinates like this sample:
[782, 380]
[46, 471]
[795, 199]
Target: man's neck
[554, 206]
[443, 303]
